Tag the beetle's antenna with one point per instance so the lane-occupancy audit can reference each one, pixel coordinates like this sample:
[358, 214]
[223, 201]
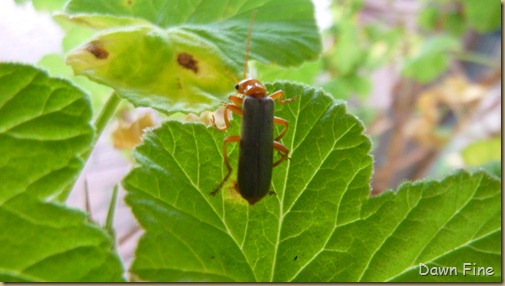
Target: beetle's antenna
[248, 42]
[235, 80]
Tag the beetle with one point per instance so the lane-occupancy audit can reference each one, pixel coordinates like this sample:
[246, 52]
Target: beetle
[257, 142]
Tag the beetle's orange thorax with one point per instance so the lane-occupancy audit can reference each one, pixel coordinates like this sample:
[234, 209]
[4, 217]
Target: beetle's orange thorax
[251, 87]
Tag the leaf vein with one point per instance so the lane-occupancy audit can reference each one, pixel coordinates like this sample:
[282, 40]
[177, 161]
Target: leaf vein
[281, 199]
[456, 212]
[228, 232]
[386, 238]
[335, 227]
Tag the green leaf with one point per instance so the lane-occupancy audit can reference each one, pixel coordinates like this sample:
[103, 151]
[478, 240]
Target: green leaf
[444, 17]
[55, 65]
[43, 130]
[320, 225]
[348, 52]
[306, 73]
[175, 179]
[431, 60]
[344, 87]
[428, 18]
[483, 16]
[444, 223]
[47, 242]
[181, 56]
[482, 152]
[494, 168]
[382, 44]
[20, 2]
[485, 154]
[42, 121]
[49, 5]
[455, 23]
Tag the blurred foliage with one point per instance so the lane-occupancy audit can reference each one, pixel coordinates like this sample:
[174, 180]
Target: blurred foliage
[481, 152]
[456, 16]
[128, 132]
[353, 52]
[356, 49]
[454, 96]
[44, 5]
[49, 5]
[432, 59]
[483, 16]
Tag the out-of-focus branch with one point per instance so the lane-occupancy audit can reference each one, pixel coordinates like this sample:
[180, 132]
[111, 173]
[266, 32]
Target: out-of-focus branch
[404, 98]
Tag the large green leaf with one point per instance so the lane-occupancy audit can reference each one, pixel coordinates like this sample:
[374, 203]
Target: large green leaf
[43, 130]
[320, 225]
[184, 55]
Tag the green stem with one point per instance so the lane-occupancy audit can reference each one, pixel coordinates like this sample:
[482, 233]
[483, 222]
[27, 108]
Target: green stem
[109, 222]
[476, 58]
[100, 123]
[102, 120]
[107, 112]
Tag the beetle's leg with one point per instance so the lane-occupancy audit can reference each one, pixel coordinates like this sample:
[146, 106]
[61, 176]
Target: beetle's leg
[235, 138]
[228, 106]
[237, 100]
[280, 94]
[229, 139]
[282, 150]
[284, 122]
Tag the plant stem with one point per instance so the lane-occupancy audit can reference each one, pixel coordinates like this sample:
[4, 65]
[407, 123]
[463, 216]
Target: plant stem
[106, 113]
[109, 227]
[100, 123]
[475, 58]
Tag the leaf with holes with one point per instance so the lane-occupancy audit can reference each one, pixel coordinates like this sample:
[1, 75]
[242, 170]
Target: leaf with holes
[184, 55]
[320, 225]
[44, 127]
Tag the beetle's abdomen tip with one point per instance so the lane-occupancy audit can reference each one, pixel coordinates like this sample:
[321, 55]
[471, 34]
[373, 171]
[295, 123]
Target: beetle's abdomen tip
[253, 200]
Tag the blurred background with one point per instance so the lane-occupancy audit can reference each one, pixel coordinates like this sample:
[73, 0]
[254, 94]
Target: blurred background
[424, 76]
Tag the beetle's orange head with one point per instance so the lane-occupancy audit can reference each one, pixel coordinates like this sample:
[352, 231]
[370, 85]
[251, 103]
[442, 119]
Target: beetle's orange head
[251, 87]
